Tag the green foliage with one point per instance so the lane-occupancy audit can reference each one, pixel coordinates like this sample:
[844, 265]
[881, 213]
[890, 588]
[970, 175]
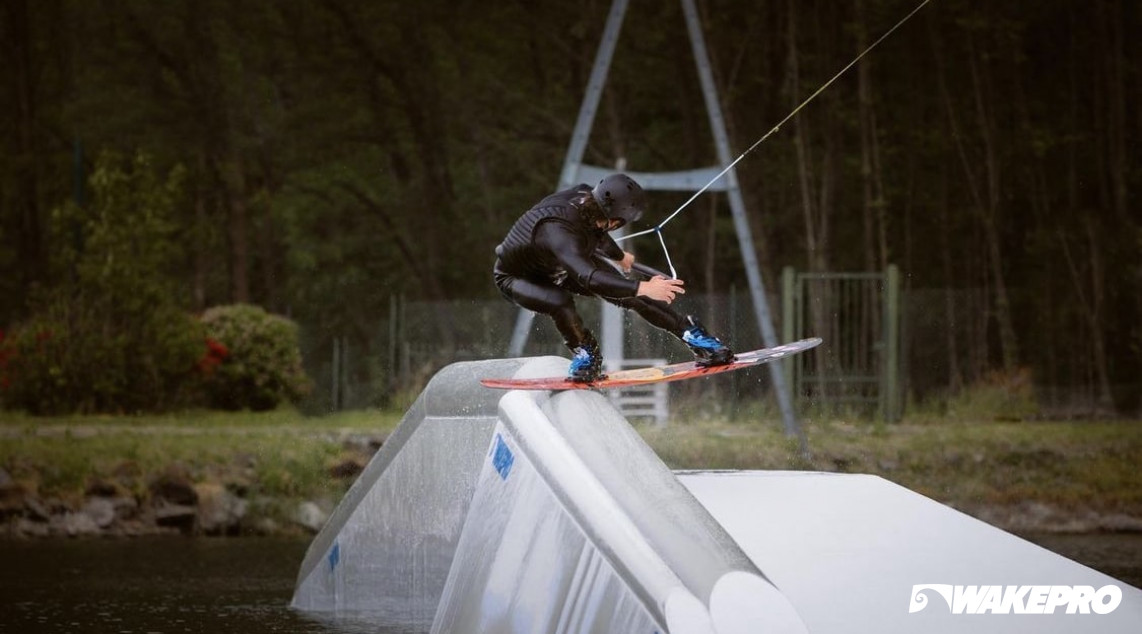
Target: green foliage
[82, 355]
[261, 368]
[343, 152]
[111, 335]
[124, 245]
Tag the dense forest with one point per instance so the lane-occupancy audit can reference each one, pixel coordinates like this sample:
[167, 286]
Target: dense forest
[325, 155]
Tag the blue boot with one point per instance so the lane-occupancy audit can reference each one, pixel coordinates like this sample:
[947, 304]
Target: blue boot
[586, 365]
[708, 350]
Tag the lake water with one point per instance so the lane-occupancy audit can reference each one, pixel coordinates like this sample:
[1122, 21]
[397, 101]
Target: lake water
[157, 585]
[243, 585]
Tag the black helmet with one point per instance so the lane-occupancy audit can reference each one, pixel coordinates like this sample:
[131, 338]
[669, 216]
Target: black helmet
[621, 198]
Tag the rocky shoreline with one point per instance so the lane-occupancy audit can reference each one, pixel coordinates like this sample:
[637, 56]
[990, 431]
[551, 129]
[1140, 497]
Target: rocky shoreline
[129, 504]
[227, 499]
[173, 504]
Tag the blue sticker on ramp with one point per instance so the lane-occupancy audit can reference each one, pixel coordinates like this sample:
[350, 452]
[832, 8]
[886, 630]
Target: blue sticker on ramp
[502, 457]
[334, 556]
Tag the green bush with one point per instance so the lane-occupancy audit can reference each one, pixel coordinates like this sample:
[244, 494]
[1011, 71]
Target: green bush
[260, 366]
[79, 355]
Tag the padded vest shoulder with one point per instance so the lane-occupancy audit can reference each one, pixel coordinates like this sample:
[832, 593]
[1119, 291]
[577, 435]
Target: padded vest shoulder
[518, 253]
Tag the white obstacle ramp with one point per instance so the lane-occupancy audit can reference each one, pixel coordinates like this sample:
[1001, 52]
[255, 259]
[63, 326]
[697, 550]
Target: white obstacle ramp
[535, 512]
[553, 545]
[856, 553]
[386, 550]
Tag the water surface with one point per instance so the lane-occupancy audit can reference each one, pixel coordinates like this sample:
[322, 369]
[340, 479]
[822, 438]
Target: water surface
[158, 585]
[173, 585]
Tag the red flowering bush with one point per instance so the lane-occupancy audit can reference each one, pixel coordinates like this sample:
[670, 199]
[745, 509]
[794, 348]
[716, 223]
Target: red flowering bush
[216, 353]
[256, 360]
[79, 356]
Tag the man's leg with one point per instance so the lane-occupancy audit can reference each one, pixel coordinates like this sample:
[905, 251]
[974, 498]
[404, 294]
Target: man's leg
[656, 313]
[708, 349]
[559, 304]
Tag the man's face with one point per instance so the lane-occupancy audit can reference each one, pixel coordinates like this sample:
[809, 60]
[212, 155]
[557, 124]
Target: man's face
[609, 224]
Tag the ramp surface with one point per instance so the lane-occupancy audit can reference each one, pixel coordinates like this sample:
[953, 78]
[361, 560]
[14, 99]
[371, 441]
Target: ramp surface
[531, 512]
[850, 552]
[387, 548]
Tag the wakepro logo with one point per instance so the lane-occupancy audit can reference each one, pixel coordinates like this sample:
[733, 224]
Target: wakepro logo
[1018, 599]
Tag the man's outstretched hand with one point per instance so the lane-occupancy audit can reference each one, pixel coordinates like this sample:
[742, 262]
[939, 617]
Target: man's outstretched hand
[627, 262]
[661, 288]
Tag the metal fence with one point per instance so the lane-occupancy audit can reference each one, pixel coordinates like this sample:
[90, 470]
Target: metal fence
[417, 338]
[942, 341]
[858, 316]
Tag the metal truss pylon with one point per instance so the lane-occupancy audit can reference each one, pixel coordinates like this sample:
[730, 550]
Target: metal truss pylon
[575, 171]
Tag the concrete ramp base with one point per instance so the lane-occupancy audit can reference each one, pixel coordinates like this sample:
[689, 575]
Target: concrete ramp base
[524, 512]
[523, 564]
[857, 553]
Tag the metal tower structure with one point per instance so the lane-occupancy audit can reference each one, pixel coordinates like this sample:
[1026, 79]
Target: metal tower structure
[575, 171]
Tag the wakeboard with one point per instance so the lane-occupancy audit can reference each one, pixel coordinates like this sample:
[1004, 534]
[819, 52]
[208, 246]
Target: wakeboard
[658, 374]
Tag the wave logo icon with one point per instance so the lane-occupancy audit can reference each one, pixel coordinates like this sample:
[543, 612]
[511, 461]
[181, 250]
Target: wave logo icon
[1018, 599]
[920, 599]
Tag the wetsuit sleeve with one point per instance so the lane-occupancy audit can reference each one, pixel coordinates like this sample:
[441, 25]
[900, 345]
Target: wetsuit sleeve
[610, 248]
[569, 249]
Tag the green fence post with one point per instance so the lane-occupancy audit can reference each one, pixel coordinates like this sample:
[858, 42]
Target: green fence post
[891, 397]
[335, 378]
[346, 389]
[788, 328]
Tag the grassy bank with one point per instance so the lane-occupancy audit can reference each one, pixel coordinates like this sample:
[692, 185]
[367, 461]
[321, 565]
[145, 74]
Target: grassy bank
[1069, 475]
[1073, 470]
[273, 460]
[283, 453]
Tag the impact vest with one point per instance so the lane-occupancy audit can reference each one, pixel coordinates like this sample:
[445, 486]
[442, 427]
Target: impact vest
[521, 257]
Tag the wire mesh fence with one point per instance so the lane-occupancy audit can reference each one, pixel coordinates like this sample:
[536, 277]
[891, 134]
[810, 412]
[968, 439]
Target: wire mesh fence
[943, 349]
[395, 359]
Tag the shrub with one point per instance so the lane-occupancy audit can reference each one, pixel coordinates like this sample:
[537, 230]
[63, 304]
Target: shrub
[261, 367]
[79, 355]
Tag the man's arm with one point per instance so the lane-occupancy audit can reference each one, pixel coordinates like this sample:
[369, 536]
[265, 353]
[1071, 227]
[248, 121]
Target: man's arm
[611, 249]
[569, 249]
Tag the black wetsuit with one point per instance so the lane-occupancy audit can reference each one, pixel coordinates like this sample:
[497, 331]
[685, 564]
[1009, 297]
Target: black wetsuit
[549, 256]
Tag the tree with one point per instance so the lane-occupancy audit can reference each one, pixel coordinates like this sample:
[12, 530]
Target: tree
[114, 334]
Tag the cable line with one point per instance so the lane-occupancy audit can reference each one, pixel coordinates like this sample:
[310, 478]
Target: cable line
[658, 228]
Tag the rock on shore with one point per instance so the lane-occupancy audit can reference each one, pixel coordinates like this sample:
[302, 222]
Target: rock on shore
[170, 502]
